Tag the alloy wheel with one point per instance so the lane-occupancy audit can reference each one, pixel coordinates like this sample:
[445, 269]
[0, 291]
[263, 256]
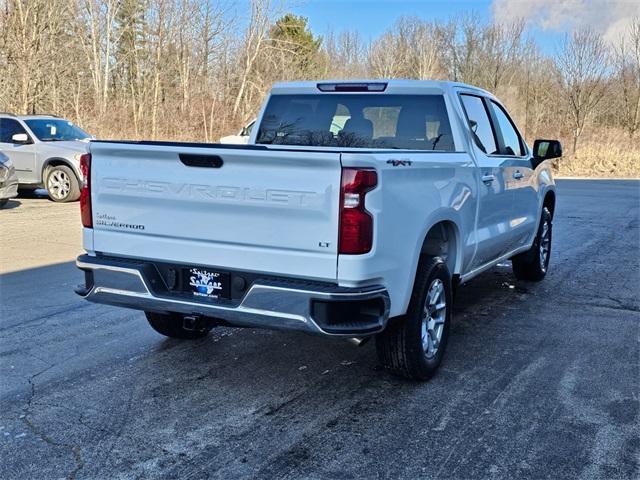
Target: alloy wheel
[545, 245]
[434, 315]
[59, 184]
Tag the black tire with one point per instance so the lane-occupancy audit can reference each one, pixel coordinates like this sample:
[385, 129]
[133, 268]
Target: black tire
[3, 202]
[62, 184]
[533, 264]
[171, 325]
[400, 346]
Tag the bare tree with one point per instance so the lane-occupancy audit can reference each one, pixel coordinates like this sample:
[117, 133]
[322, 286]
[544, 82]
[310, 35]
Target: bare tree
[627, 69]
[97, 35]
[408, 50]
[461, 41]
[582, 64]
[30, 28]
[383, 58]
[346, 52]
[502, 50]
[255, 38]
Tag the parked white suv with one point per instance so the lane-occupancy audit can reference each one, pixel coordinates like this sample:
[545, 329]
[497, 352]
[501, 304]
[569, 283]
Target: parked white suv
[45, 151]
[242, 137]
[359, 231]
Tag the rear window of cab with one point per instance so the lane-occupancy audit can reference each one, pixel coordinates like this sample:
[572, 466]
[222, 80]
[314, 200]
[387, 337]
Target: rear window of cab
[410, 122]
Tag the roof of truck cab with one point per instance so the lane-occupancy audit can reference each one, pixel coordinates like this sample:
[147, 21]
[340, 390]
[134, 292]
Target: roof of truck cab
[393, 86]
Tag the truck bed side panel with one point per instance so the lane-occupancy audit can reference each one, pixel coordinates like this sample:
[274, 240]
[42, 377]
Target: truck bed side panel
[410, 198]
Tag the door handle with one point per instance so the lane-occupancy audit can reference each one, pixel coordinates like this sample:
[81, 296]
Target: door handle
[488, 178]
[518, 175]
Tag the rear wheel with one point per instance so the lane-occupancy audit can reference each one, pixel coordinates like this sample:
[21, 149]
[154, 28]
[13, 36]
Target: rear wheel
[533, 264]
[413, 345]
[172, 325]
[62, 184]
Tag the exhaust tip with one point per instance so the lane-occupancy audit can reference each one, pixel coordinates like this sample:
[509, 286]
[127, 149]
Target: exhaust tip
[358, 341]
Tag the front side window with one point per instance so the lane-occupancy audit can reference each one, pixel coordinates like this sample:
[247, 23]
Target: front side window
[479, 123]
[9, 128]
[56, 130]
[512, 145]
[411, 122]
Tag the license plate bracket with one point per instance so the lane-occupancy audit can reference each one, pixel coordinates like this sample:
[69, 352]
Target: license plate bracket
[203, 282]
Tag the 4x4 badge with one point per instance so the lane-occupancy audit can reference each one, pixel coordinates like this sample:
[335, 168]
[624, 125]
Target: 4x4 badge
[399, 163]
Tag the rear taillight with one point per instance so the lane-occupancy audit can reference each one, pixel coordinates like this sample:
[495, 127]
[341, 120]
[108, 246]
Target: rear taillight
[85, 193]
[356, 224]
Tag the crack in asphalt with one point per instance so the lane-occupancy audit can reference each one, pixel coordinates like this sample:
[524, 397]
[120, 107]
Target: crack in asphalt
[27, 412]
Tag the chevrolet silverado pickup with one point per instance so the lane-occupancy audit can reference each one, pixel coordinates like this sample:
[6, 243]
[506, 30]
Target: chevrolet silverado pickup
[354, 211]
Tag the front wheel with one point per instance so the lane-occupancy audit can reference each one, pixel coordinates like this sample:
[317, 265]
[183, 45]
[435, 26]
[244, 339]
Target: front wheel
[172, 325]
[413, 345]
[62, 184]
[533, 264]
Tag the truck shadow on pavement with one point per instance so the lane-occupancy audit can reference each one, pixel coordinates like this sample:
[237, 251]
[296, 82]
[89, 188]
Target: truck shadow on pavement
[99, 384]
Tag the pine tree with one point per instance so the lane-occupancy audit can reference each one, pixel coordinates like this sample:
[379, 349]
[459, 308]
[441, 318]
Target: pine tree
[291, 34]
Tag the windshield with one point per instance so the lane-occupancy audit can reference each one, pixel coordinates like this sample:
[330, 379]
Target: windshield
[56, 130]
[413, 122]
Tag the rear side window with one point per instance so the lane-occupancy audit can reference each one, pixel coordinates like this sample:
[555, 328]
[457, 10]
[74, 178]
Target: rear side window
[412, 122]
[479, 123]
[512, 145]
[8, 128]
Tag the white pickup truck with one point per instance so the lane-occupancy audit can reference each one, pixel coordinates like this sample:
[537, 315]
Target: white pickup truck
[354, 211]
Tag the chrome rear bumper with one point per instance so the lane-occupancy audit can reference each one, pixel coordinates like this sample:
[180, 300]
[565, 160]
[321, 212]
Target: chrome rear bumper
[326, 309]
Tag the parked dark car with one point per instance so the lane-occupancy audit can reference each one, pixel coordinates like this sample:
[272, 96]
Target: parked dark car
[8, 180]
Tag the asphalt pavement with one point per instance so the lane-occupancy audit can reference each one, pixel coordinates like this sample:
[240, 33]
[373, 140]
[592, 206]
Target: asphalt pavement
[539, 380]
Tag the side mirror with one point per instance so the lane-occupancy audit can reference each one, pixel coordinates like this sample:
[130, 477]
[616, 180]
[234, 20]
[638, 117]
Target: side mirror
[20, 138]
[546, 149]
[246, 131]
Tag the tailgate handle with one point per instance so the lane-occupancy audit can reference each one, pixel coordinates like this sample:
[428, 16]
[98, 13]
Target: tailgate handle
[202, 161]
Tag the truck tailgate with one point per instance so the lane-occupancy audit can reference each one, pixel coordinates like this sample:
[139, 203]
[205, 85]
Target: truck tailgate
[246, 208]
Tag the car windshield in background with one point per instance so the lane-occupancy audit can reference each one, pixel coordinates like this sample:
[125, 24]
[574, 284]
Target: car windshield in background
[56, 130]
[412, 122]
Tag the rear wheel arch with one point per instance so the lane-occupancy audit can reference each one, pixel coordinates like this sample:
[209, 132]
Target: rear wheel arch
[60, 179]
[55, 162]
[443, 240]
[440, 238]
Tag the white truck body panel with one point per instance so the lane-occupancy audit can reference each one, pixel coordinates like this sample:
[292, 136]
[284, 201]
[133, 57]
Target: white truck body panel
[275, 209]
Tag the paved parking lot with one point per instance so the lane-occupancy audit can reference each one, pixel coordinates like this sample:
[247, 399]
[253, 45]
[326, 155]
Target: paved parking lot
[540, 380]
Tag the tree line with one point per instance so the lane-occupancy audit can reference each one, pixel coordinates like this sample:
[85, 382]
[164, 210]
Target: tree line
[195, 70]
